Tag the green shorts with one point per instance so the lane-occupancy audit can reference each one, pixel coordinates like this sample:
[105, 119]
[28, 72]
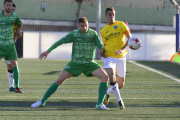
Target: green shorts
[9, 52]
[77, 69]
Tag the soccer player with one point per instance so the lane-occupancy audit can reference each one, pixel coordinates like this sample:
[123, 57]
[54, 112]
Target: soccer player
[7, 46]
[84, 42]
[113, 35]
[16, 33]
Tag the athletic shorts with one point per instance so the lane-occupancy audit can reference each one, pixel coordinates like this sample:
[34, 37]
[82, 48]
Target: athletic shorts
[77, 69]
[117, 64]
[9, 52]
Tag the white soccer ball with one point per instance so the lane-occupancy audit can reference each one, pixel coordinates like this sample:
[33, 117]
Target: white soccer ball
[134, 43]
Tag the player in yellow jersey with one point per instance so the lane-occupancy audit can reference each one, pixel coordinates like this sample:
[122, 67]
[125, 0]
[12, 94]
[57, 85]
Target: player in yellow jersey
[17, 34]
[113, 36]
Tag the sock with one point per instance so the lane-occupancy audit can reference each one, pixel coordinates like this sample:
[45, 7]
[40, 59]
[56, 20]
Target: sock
[49, 92]
[102, 92]
[115, 89]
[16, 76]
[10, 77]
[109, 91]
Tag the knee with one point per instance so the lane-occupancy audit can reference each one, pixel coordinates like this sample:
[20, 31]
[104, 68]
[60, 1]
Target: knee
[104, 78]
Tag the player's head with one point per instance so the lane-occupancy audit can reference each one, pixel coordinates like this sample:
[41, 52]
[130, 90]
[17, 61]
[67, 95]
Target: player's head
[13, 8]
[8, 4]
[110, 15]
[83, 24]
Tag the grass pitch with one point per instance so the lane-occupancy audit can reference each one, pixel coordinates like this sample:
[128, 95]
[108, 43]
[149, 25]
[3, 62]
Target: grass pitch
[147, 95]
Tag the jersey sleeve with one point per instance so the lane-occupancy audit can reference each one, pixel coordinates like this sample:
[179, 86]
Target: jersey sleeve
[103, 38]
[18, 21]
[66, 39]
[125, 29]
[97, 41]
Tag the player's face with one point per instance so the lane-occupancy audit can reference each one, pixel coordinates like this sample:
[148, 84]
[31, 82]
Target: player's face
[8, 6]
[13, 9]
[110, 16]
[83, 27]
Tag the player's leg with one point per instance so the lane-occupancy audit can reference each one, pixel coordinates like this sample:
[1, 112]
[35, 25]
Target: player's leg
[52, 89]
[16, 75]
[10, 75]
[121, 73]
[100, 73]
[114, 86]
[11, 55]
[110, 66]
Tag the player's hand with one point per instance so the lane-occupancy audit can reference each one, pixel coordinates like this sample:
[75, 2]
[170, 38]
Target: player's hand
[118, 52]
[44, 55]
[101, 53]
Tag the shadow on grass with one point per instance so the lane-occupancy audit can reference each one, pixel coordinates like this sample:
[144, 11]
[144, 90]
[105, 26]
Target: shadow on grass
[65, 103]
[167, 67]
[52, 73]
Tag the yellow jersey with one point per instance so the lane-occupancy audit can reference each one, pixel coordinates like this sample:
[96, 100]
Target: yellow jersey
[113, 37]
[15, 28]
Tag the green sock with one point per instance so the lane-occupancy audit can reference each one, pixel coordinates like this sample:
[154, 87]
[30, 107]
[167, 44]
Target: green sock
[16, 76]
[102, 92]
[49, 92]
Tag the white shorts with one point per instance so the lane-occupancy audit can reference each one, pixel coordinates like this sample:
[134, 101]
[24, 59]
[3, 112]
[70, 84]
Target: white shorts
[7, 61]
[117, 64]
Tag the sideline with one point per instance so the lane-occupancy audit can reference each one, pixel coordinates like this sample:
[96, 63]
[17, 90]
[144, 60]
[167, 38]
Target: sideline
[168, 76]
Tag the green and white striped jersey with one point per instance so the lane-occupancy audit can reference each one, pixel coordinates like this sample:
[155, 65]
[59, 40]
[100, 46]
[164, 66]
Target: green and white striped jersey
[84, 45]
[6, 28]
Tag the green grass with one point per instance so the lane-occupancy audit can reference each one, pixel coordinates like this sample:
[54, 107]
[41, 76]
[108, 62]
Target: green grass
[147, 95]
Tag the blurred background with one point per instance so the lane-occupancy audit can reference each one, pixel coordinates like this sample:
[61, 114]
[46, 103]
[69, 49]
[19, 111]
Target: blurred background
[46, 21]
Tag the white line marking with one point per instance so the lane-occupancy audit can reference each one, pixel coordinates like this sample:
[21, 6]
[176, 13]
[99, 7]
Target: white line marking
[168, 76]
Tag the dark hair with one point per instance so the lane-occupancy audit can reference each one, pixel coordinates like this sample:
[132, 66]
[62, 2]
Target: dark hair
[14, 5]
[7, 1]
[109, 9]
[83, 20]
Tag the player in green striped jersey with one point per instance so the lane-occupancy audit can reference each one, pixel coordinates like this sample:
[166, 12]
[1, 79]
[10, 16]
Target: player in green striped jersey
[84, 42]
[7, 46]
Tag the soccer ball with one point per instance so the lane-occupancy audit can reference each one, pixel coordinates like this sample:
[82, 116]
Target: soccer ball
[134, 43]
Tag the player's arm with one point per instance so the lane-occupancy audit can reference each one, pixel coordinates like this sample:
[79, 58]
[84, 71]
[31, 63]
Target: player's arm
[19, 31]
[125, 30]
[102, 52]
[99, 45]
[55, 45]
[20, 26]
[67, 39]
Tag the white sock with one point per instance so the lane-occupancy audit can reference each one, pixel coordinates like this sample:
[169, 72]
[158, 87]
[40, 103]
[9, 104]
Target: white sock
[109, 91]
[11, 79]
[115, 89]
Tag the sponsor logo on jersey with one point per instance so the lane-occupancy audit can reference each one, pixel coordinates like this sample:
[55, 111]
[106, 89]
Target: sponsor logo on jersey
[13, 22]
[112, 35]
[115, 27]
[91, 39]
[107, 31]
[79, 39]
